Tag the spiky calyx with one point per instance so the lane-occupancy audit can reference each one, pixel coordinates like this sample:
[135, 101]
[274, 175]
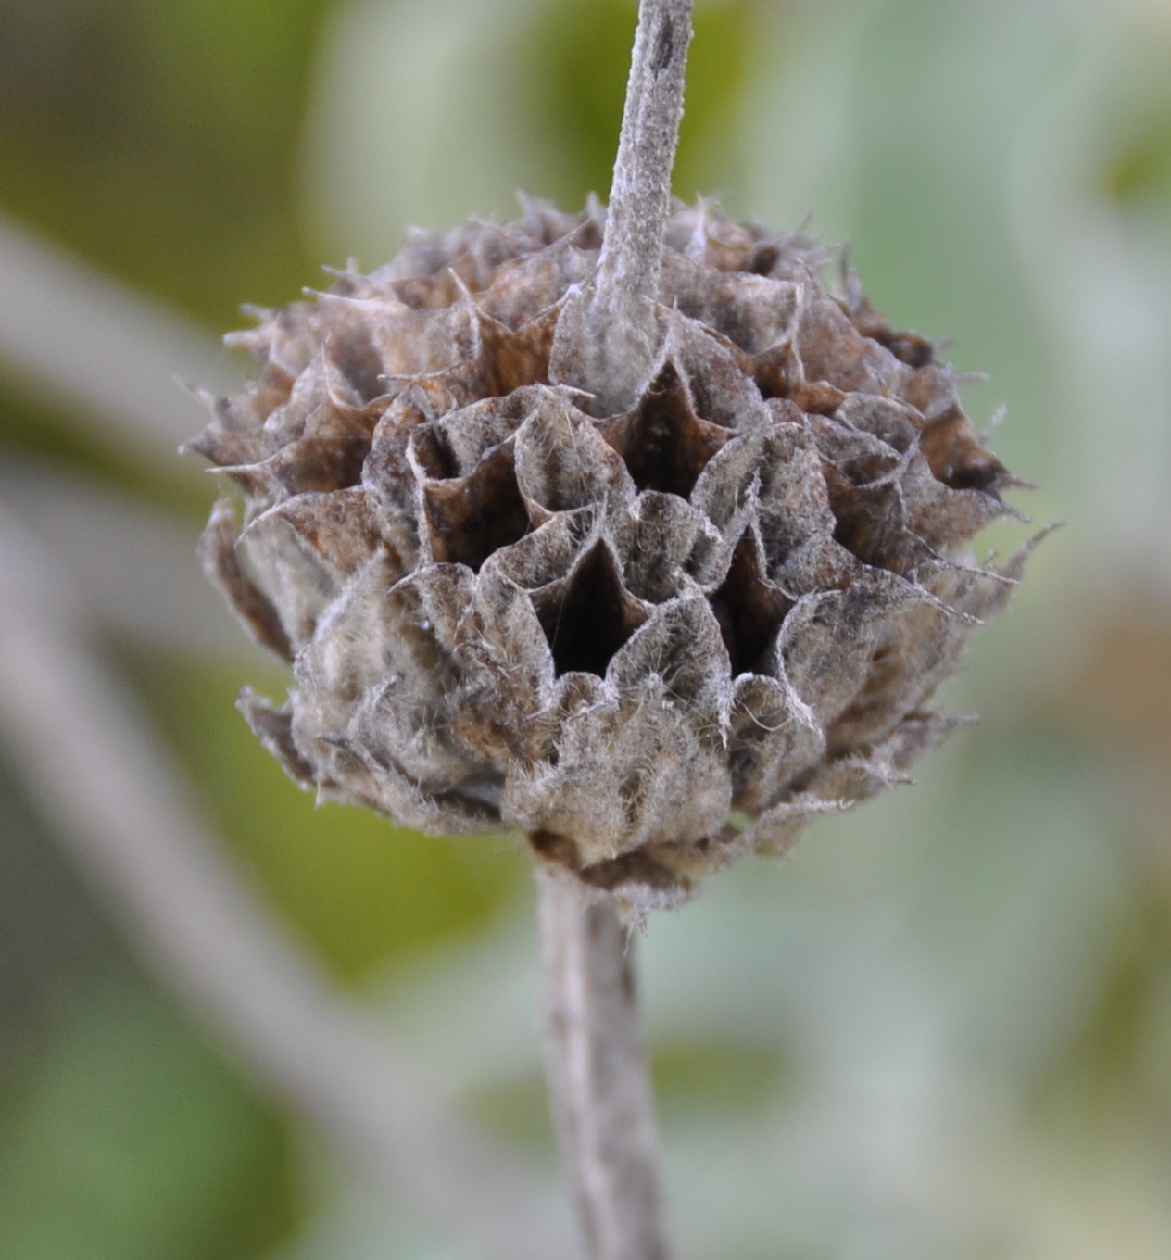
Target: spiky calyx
[649, 641]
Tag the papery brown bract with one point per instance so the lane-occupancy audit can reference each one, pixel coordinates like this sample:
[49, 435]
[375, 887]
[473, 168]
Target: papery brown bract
[648, 641]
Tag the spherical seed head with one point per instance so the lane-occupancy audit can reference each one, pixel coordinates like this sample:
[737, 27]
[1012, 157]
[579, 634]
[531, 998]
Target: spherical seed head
[649, 641]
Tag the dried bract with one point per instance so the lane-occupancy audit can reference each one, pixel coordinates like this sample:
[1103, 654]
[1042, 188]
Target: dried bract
[649, 641]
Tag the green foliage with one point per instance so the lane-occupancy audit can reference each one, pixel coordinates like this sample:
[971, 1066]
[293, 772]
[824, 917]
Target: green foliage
[132, 1142]
[159, 140]
[364, 892]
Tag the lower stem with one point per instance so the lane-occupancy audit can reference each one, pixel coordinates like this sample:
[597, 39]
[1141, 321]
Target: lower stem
[599, 1080]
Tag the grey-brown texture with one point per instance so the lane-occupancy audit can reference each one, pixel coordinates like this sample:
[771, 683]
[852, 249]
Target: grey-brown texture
[606, 339]
[649, 640]
[598, 1075]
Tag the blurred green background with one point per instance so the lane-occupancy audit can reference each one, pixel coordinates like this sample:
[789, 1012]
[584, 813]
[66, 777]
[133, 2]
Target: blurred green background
[943, 1029]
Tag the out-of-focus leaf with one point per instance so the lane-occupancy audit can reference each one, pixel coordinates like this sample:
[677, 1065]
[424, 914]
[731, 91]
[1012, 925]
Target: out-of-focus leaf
[132, 1143]
[159, 140]
[133, 565]
[359, 887]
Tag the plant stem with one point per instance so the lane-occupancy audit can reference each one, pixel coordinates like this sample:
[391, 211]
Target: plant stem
[640, 191]
[599, 1081]
[614, 339]
[606, 341]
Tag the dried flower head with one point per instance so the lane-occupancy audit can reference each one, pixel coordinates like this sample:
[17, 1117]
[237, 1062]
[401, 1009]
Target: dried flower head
[649, 640]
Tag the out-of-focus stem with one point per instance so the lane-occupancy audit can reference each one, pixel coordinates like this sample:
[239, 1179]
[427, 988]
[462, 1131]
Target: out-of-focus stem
[101, 779]
[599, 1081]
[109, 353]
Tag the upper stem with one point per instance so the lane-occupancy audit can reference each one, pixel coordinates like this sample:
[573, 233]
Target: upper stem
[608, 336]
[640, 191]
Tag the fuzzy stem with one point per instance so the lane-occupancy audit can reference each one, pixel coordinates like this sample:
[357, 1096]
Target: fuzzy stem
[599, 1081]
[618, 337]
[640, 192]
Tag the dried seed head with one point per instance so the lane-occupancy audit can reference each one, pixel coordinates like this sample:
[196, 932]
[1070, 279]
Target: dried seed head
[650, 640]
